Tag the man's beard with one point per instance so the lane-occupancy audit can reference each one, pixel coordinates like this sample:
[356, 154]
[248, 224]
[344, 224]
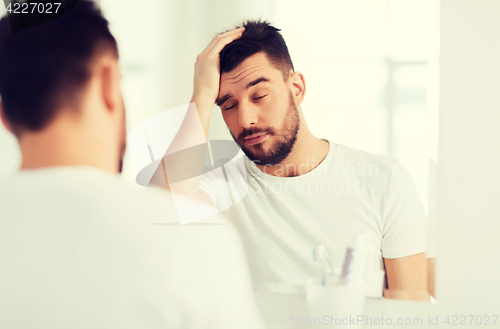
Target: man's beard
[284, 139]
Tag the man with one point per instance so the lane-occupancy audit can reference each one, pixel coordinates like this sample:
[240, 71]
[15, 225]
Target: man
[302, 191]
[76, 250]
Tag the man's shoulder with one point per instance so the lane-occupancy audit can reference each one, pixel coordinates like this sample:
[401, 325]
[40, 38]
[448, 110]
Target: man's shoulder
[87, 188]
[349, 155]
[371, 169]
[99, 199]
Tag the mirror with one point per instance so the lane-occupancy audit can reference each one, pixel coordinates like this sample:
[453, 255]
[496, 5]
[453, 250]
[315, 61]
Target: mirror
[371, 71]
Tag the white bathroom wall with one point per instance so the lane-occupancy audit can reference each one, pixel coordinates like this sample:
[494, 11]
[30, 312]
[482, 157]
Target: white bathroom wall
[468, 266]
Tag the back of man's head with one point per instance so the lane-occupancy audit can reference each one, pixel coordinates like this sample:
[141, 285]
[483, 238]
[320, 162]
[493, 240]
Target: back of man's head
[259, 36]
[44, 69]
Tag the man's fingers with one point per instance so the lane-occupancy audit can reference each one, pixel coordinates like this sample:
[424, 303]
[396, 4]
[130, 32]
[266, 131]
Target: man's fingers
[206, 68]
[226, 38]
[225, 41]
[238, 30]
[218, 43]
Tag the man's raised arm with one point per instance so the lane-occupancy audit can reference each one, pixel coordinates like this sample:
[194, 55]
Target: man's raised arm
[184, 159]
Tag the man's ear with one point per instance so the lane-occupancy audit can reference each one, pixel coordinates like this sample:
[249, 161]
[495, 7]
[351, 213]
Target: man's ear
[298, 84]
[3, 118]
[110, 78]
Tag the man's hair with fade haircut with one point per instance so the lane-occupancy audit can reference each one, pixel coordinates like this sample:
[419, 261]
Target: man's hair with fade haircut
[46, 67]
[259, 36]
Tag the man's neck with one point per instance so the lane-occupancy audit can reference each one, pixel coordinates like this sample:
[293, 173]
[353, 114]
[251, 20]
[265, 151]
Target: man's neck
[63, 146]
[307, 153]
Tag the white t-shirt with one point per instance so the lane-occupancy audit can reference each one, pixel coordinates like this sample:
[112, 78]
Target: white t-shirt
[281, 219]
[76, 251]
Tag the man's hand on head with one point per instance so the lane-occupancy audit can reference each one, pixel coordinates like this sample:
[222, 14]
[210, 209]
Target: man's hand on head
[190, 138]
[207, 70]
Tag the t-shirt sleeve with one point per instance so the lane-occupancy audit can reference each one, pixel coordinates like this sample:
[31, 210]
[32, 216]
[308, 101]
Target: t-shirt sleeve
[214, 184]
[405, 221]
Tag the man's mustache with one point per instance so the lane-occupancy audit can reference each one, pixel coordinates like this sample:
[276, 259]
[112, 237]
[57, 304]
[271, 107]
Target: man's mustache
[253, 131]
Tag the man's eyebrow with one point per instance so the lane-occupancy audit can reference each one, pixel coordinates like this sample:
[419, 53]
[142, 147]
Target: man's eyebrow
[223, 99]
[256, 81]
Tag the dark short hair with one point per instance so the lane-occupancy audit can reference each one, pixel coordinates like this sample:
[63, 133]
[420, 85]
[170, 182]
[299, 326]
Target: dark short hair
[259, 36]
[46, 67]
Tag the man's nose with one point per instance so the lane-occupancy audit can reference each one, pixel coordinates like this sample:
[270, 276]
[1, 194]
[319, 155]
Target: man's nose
[247, 114]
